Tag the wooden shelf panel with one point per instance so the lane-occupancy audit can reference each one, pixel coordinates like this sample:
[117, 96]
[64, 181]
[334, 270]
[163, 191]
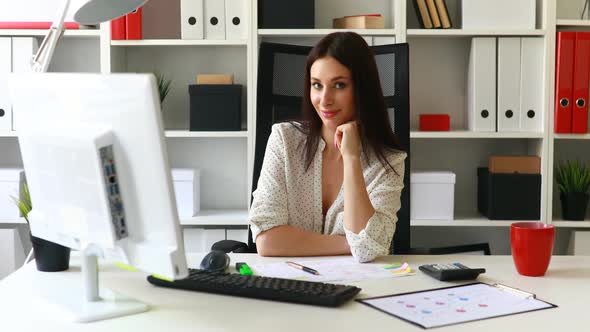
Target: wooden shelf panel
[322, 32]
[178, 42]
[212, 134]
[474, 134]
[573, 23]
[571, 224]
[8, 134]
[471, 33]
[474, 221]
[19, 221]
[572, 136]
[228, 217]
[175, 133]
[42, 33]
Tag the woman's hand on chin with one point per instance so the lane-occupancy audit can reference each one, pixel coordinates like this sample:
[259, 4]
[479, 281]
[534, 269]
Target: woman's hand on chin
[347, 140]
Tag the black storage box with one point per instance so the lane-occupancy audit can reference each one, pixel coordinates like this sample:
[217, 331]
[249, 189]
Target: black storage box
[508, 196]
[286, 14]
[215, 107]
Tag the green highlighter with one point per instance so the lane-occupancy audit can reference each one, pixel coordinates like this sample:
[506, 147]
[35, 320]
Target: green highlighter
[244, 269]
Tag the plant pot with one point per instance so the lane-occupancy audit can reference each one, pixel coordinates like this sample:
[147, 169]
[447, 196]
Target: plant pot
[573, 205]
[49, 256]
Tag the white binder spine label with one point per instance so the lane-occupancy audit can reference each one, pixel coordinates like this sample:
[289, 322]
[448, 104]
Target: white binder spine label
[23, 50]
[531, 84]
[5, 69]
[191, 19]
[214, 19]
[481, 85]
[508, 84]
[236, 19]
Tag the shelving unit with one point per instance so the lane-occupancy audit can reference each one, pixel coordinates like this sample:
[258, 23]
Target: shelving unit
[439, 63]
[438, 69]
[566, 146]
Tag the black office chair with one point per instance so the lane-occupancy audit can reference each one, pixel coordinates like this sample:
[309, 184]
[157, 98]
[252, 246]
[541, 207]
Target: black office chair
[279, 96]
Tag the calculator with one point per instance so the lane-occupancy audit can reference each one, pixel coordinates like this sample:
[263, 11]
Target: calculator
[451, 272]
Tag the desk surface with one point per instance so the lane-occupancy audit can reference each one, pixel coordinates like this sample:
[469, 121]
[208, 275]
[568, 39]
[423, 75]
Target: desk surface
[566, 284]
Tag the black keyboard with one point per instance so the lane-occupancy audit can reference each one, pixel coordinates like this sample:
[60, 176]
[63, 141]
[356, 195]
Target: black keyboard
[274, 289]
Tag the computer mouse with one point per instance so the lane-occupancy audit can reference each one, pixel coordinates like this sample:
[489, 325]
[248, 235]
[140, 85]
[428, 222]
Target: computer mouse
[215, 261]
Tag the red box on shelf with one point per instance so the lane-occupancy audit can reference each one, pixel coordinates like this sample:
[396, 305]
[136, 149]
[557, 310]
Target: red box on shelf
[435, 122]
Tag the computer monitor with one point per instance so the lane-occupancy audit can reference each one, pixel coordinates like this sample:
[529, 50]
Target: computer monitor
[95, 158]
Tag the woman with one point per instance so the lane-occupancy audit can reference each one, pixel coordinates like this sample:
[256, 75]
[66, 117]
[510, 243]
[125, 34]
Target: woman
[331, 184]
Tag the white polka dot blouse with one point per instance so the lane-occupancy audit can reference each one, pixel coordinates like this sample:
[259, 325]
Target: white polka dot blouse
[287, 194]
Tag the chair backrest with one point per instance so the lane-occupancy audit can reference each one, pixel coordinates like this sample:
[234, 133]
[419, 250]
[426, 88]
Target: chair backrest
[281, 70]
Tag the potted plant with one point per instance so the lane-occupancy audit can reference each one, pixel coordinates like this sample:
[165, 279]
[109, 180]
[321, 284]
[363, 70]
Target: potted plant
[573, 180]
[49, 256]
[164, 86]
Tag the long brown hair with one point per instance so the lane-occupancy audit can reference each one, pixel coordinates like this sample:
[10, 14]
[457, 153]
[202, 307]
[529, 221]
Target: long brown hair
[370, 112]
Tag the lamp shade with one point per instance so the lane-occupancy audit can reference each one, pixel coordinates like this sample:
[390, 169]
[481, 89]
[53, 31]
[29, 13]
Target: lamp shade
[97, 11]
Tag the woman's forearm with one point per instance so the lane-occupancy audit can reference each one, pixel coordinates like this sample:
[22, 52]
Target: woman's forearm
[358, 208]
[292, 241]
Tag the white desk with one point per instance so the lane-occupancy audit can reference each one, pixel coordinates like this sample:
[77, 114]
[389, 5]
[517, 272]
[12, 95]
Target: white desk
[566, 284]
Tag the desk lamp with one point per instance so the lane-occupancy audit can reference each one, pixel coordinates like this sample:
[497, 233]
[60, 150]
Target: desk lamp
[89, 12]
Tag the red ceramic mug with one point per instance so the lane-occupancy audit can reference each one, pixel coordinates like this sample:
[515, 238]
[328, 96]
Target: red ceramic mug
[532, 246]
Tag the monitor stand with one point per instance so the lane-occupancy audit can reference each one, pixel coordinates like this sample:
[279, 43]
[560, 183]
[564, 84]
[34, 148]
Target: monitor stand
[83, 301]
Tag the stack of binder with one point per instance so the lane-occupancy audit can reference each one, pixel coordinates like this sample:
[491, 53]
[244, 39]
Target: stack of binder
[505, 84]
[572, 70]
[128, 27]
[432, 14]
[214, 19]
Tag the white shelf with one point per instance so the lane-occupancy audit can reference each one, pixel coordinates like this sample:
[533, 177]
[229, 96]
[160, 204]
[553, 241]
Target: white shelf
[471, 33]
[473, 134]
[573, 23]
[322, 32]
[13, 221]
[42, 32]
[572, 136]
[175, 133]
[218, 218]
[178, 42]
[188, 134]
[477, 221]
[571, 224]
[8, 134]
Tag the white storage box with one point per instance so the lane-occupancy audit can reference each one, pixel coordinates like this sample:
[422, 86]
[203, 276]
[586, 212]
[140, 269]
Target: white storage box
[498, 14]
[579, 243]
[187, 191]
[432, 195]
[9, 186]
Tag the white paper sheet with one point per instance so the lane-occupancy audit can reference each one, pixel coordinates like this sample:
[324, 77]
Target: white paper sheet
[333, 270]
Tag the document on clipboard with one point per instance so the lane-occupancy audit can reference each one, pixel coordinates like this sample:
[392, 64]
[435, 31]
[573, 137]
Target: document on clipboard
[457, 304]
